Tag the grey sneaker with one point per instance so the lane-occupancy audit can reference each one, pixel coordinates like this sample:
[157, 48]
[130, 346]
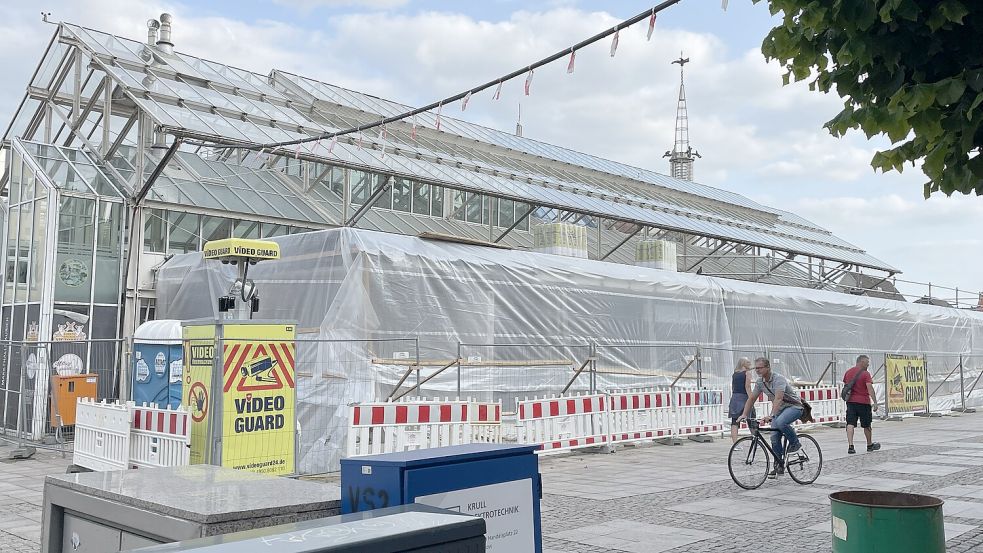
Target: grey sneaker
[851, 451]
[873, 447]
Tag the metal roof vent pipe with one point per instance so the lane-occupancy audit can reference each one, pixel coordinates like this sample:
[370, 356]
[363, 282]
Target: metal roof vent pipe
[164, 44]
[152, 26]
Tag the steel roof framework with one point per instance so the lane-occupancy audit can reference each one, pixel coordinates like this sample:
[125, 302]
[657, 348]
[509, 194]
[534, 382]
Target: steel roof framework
[125, 102]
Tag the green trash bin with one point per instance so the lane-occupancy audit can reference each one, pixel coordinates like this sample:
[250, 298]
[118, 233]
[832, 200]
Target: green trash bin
[886, 522]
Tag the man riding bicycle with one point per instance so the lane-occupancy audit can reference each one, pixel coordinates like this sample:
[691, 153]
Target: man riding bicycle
[786, 409]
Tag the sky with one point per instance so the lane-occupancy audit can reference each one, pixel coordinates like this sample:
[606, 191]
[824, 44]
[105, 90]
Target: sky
[757, 137]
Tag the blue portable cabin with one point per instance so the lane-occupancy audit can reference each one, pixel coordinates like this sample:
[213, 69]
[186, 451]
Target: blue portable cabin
[157, 363]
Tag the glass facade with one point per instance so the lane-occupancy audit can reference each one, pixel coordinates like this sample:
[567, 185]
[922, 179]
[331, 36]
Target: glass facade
[64, 239]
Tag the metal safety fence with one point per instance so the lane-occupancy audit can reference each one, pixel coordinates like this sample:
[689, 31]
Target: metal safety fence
[332, 374]
[40, 383]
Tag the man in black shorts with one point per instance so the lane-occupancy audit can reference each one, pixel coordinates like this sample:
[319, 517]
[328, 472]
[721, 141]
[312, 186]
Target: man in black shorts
[858, 406]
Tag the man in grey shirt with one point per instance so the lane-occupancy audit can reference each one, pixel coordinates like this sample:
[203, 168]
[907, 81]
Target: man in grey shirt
[786, 409]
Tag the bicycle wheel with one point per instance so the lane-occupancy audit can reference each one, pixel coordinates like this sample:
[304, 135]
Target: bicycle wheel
[748, 463]
[805, 464]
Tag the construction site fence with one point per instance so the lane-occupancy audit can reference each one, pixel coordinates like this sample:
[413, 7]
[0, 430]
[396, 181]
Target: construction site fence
[332, 374]
[40, 383]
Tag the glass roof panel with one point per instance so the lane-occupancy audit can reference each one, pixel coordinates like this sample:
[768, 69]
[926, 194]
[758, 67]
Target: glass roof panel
[71, 169]
[159, 113]
[581, 189]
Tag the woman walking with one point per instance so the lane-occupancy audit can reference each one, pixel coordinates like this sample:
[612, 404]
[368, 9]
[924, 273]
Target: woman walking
[740, 389]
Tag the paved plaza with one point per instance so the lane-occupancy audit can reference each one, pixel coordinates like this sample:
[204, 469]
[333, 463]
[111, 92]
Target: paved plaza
[679, 499]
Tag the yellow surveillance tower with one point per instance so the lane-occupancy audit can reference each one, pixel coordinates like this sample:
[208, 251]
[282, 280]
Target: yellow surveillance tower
[239, 382]
[243, 253]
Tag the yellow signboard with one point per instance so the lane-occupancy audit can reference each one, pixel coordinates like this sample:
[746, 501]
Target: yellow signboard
[199, 357]
[907, 384]
[258, 422]
[256, 395]
[240, 248]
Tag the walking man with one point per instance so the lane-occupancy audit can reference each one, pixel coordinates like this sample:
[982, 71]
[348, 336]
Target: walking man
[860, 402]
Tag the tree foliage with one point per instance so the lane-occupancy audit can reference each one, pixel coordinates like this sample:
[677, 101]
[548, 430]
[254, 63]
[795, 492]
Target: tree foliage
[908, 69]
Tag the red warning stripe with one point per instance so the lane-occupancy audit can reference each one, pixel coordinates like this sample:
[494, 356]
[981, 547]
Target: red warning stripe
[233, 369]
[288, 351]
[284, 368]
[163, 421]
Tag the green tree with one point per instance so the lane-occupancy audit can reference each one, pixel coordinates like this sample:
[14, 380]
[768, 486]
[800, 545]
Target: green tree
[908, 69]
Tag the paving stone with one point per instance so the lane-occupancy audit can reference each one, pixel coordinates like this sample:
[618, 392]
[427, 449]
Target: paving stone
[917, 469]
[950, 459]
[626, 501]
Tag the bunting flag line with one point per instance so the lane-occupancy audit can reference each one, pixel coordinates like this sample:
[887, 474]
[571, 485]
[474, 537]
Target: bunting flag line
[331, 144]
[413, 129]
[382, 136]
[268, 149]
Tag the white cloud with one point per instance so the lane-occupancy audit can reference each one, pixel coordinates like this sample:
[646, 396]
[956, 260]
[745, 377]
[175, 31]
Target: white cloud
[309, 5]
[935, 240]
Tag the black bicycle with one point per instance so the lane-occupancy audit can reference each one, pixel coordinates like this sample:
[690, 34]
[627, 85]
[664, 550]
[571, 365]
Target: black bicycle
[750, 458]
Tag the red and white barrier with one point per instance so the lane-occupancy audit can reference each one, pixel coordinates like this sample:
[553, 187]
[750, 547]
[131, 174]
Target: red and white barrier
[102, 435]
[485, 420]
[827, 407]
[390, 427]
[563, 423]
[699, 412]
[640, 415]
[160, 437]
[555, 424]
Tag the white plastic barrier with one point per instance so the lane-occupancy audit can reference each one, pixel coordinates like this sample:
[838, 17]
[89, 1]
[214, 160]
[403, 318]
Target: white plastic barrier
[390, 427]
[699, 412]
[638, 415]
[102, 435]
[160, 437]
[485, 420]
[827, 407]
[563, 423]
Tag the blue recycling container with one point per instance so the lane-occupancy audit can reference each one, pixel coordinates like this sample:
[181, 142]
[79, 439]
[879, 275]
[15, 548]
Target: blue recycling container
[157, 365]
[499, 483]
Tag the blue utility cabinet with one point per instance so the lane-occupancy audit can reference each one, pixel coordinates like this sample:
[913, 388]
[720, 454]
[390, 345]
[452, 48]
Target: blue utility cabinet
[500, 483]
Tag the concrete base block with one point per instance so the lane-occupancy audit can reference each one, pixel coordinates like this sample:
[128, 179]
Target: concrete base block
[702, 438]
[670, 441]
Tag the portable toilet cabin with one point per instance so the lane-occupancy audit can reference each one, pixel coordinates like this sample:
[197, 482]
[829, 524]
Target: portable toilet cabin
[157, 363]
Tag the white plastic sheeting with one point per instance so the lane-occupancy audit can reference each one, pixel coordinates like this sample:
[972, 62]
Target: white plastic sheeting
[356, 284]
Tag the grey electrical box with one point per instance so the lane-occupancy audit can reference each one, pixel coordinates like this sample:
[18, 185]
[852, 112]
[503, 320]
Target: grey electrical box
[106, 512]
[412, 528]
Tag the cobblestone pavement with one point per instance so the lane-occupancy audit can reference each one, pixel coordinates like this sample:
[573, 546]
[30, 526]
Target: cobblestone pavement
[21, 489]
[678, 499]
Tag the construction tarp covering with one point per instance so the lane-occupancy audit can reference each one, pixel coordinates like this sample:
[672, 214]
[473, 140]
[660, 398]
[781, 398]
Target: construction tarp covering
[522, 323]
